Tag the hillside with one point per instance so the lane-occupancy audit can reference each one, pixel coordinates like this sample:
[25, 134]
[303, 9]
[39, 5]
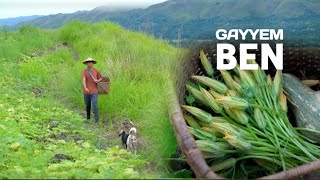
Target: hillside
[17, 20]
[96, 15]
[43, 133]
[198, 19]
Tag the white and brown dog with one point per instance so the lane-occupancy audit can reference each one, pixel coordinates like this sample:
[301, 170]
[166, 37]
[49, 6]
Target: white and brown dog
[129, 140]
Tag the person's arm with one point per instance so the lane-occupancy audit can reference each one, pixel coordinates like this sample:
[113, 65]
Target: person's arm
[84, 82]
[84, 85]
[99, 78]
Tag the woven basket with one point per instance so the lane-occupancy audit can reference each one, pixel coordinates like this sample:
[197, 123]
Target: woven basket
[105, 83]
[302, 62]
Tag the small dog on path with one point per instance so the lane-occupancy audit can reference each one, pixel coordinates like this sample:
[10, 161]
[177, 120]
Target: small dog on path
[129, 140]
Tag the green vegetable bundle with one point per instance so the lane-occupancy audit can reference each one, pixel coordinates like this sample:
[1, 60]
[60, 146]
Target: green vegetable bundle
[239, 119]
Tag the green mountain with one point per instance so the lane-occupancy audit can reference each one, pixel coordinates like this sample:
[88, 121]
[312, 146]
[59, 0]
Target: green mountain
[16, 20]
[198, 19]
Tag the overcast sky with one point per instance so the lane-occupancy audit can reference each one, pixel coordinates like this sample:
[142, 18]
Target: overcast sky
[15, 8]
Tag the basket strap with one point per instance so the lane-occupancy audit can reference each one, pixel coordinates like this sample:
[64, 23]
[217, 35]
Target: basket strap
[97, 82]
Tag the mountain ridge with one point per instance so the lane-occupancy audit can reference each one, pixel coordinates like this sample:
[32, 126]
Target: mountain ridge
[16, 20]
[197, 19]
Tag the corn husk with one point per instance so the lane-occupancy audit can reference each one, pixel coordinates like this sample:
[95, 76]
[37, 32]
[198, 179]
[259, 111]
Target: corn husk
[237, 80]
[213, 146]
[229, 163]
[212, 83]
[283, 101]
[246, 79]
[233, 102]
[259, 118]
[191, 121]
[210, 101]
[197, 94]
[212, 149]
[259, 75]
[229, 112]
[232, 93]
[213, 131]
[215, 94]
[269, 80]
[226, 128]
[241, 116]
[210, 155]
[199, 113]
[277, 83]
[237, 142]
[237, 86]
[200, 134]
[206, 64]
[227, 78]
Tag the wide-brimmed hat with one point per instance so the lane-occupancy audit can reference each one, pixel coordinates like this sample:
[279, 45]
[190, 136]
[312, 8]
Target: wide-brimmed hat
[89, 59]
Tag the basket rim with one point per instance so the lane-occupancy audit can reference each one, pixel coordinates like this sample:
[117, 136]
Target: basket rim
[106, 78]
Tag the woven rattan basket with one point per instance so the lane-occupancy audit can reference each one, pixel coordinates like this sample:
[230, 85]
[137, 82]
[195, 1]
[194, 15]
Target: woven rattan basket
[302, 62]
[104, 86]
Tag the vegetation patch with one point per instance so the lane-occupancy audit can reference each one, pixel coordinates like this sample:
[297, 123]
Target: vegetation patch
[43, 134]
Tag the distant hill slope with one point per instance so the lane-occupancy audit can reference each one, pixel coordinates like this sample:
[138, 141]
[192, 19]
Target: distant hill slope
[16, 20]
[96, 15]
[198, 19]
[186, 10]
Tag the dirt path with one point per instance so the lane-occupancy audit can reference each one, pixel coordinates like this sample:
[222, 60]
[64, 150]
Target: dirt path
[108, 132]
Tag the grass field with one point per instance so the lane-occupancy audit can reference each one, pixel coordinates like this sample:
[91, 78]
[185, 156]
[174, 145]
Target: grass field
[43, 133]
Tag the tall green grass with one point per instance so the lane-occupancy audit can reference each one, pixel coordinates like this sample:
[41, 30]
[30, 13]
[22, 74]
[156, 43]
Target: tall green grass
[140, 68]
[28, 39]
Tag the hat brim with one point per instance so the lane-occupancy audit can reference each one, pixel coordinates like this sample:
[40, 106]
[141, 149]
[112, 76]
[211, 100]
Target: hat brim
[94, 62]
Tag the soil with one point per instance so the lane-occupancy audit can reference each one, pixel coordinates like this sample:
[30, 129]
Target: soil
[61, 157]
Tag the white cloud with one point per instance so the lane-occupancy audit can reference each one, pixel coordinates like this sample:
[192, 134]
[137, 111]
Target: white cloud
[15, 8]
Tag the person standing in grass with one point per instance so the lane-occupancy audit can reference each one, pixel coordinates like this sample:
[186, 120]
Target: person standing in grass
[90, 77]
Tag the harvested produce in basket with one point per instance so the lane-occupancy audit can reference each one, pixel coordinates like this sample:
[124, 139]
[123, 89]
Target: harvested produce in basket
[305, 104]
[240, 123]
